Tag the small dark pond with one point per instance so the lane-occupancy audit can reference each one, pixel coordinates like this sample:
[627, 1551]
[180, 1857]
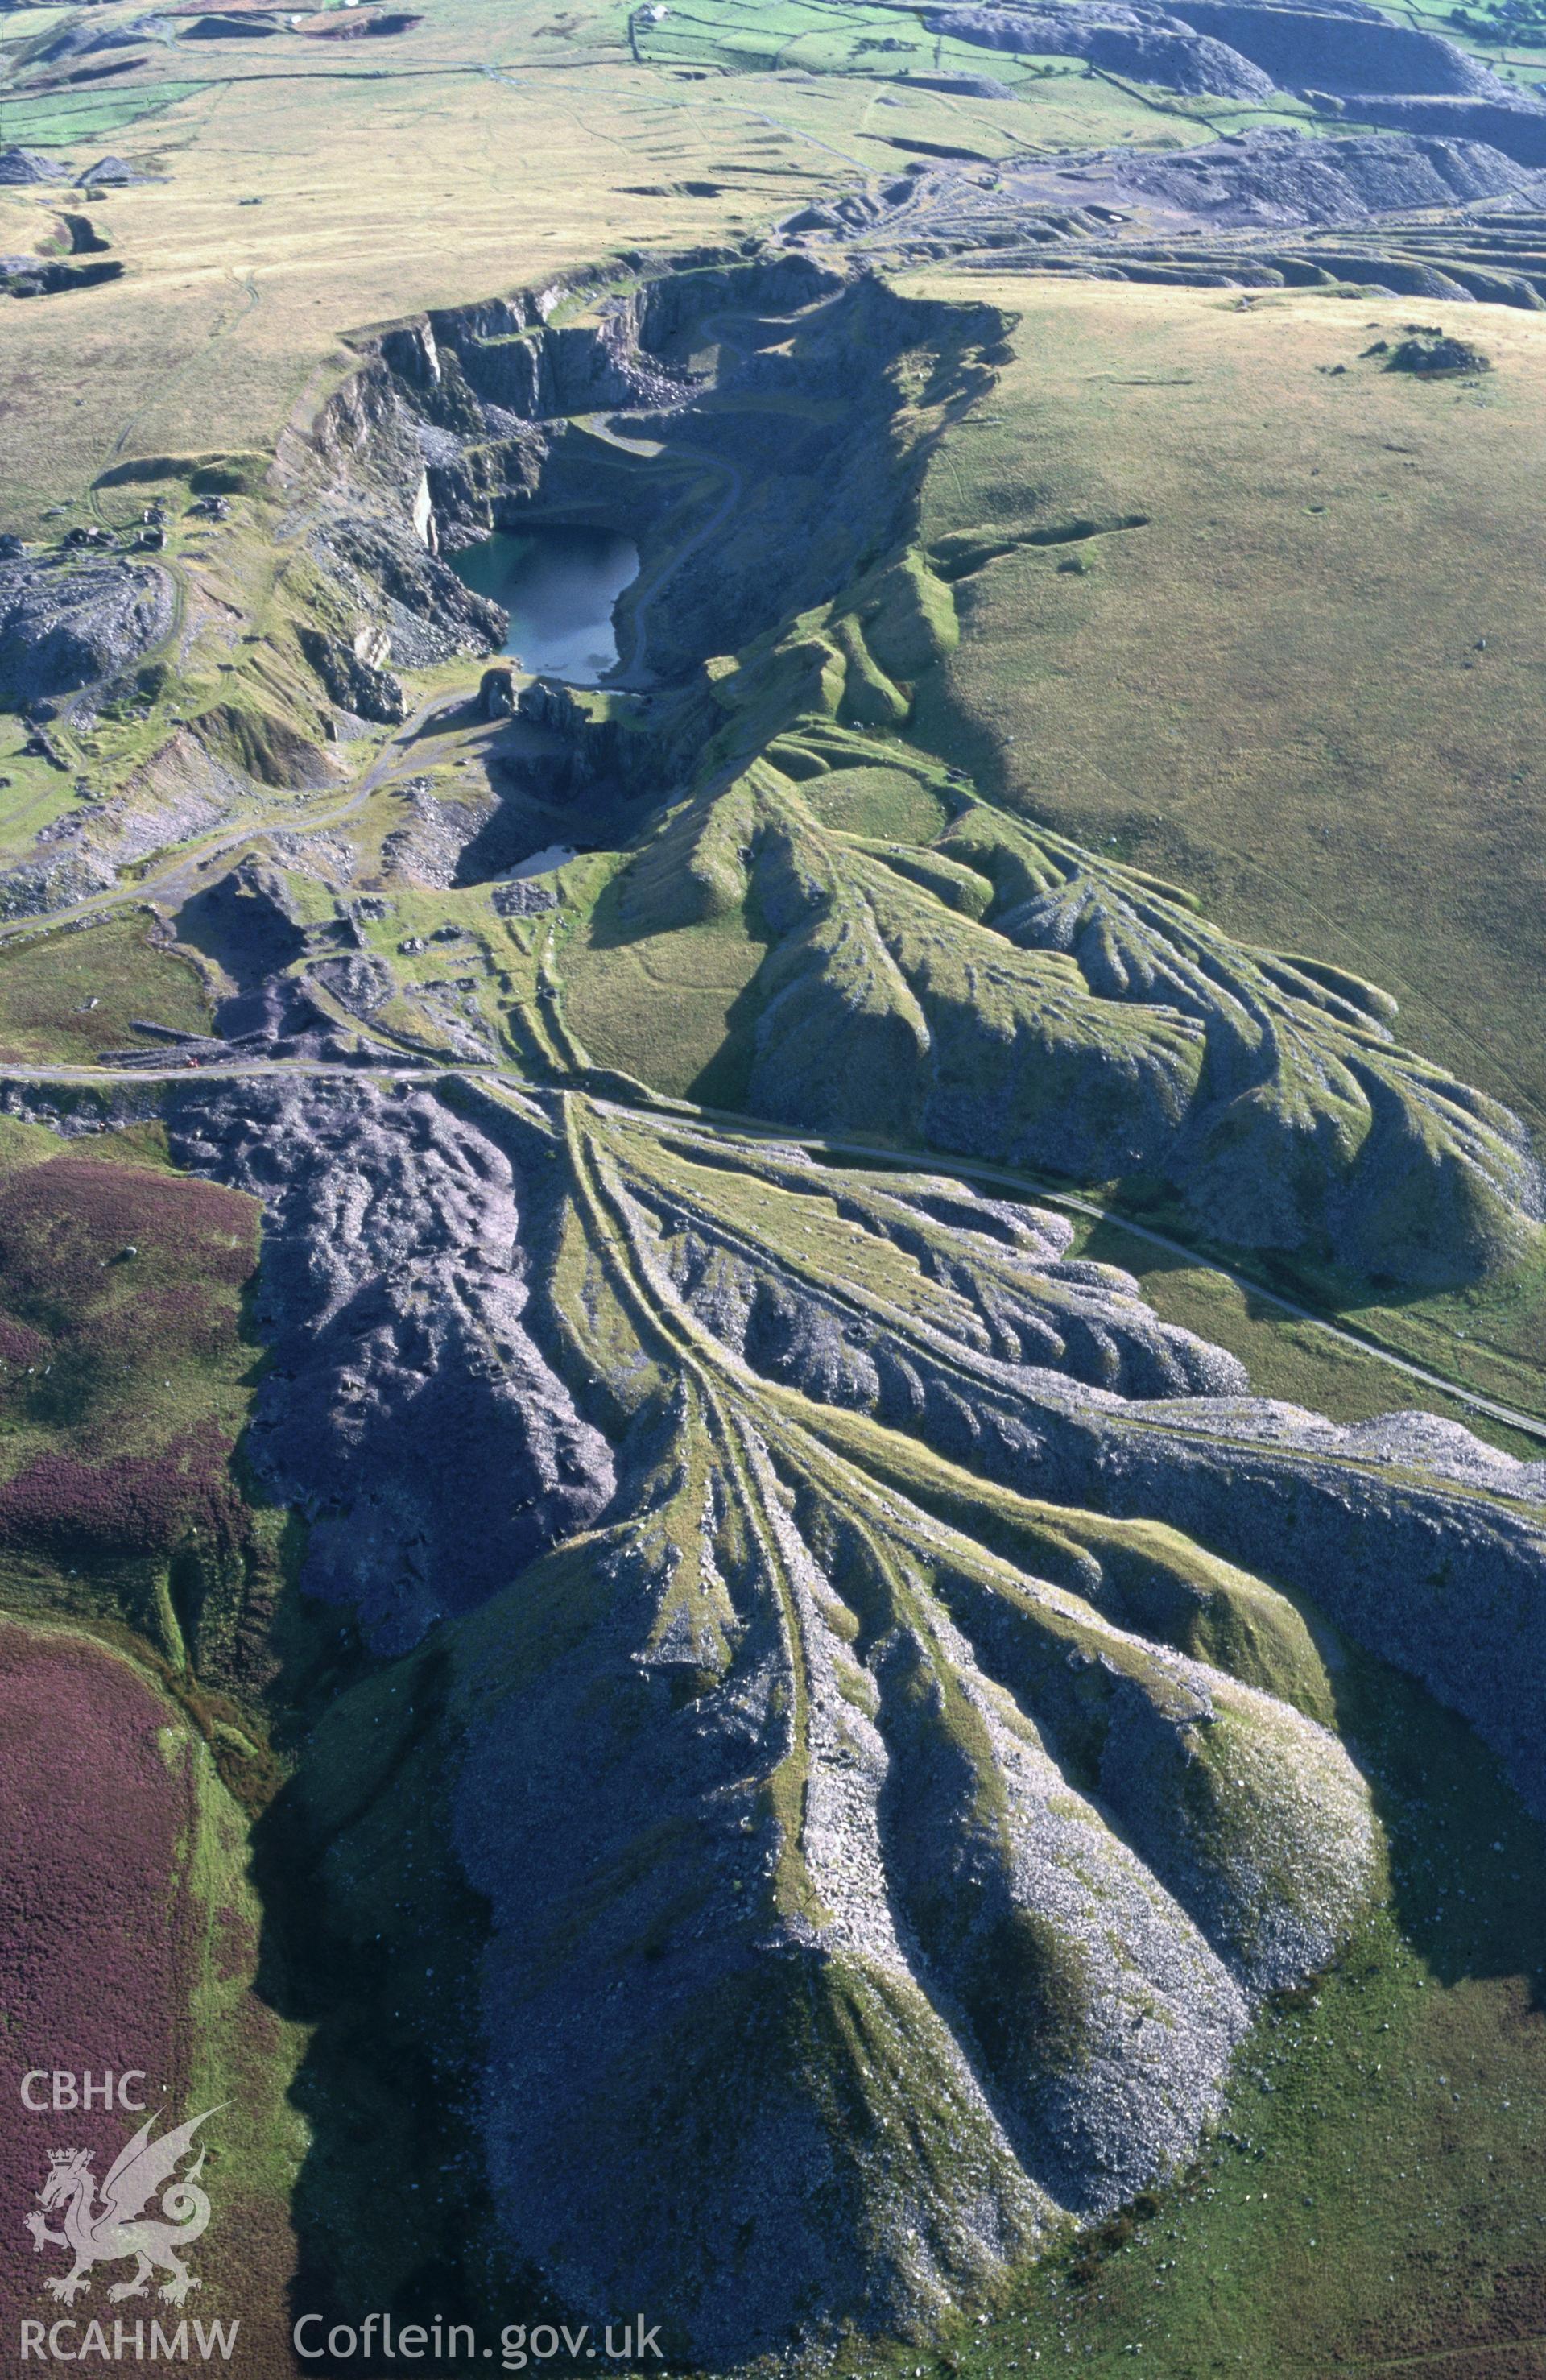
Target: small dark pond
[559, 587]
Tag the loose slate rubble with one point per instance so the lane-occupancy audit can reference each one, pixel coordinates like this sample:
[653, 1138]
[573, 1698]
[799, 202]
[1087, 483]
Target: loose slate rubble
[408, 1411]
[1341, 56]
[845, 1645]
[30, 165]
[1257, 209]
[66, 623]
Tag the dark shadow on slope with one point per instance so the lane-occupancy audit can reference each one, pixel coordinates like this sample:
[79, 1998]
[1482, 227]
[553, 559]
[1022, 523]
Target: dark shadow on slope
[531, 814]
[1467, 1857]
[240, 925]
[372, 1939]
[726, 1081]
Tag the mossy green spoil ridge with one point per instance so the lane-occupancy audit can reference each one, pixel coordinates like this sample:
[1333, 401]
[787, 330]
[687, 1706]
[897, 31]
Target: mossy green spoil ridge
[875, 1748]
[1013, 996]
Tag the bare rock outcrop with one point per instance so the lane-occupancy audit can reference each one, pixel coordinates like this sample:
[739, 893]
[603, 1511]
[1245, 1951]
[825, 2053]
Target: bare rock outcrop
[69, 621]
[408, 1411]
[353, 682]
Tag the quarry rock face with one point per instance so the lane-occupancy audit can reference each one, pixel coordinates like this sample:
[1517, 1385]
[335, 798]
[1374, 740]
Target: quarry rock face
[355, 683]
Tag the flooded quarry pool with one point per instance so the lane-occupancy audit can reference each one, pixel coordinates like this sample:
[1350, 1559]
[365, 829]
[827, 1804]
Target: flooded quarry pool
[559, 586]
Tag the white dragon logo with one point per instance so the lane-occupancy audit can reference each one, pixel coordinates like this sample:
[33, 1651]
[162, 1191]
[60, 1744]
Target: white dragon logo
[105, 2234]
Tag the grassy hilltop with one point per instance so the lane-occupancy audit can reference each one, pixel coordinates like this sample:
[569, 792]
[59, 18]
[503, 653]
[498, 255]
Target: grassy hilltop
[1303, 687]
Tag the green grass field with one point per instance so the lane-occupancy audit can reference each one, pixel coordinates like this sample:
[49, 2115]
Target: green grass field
[383, 173]
[71, 996]
[1293, 1359]
[1306, 688]
[122, 1301]
[63, 119]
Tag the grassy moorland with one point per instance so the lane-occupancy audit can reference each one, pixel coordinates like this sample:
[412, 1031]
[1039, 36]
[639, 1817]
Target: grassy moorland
[136, 1592]
[1306, 687]
[71, 996]
[132, 1941]
[125, 1380]
[127, 1366]
[1303, 687]
[302, 189]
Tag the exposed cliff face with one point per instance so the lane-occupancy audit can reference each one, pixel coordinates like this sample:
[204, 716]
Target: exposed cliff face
[361, 492]
[478, 411]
